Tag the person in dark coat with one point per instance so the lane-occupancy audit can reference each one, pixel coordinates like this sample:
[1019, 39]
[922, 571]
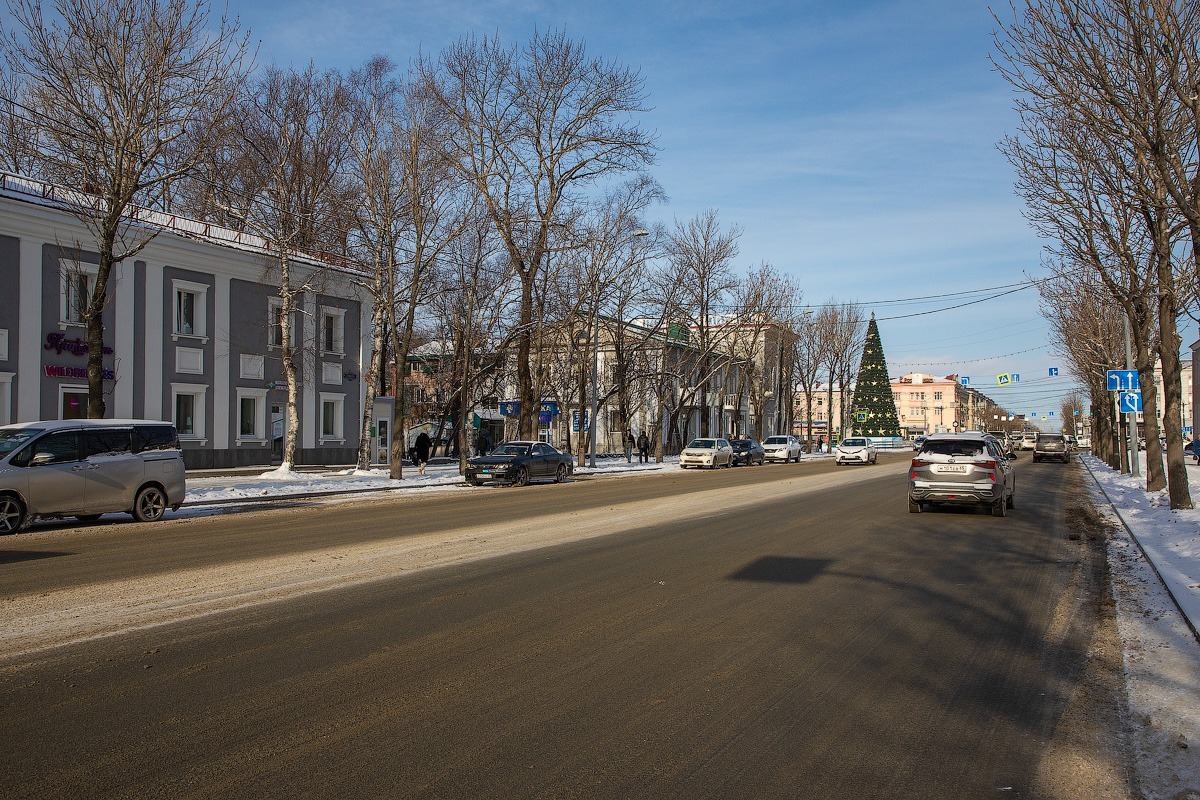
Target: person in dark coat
[422, 447]
[643, 443]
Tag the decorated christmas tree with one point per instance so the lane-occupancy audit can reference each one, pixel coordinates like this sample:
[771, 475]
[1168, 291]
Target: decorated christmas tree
[874, 411]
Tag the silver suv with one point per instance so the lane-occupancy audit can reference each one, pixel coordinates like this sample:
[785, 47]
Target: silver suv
[87, 467]
[1051, 445]
[961, 468]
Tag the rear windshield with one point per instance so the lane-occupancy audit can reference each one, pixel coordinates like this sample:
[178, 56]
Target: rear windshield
[1049, 437]
[961, 449]
[154, 437]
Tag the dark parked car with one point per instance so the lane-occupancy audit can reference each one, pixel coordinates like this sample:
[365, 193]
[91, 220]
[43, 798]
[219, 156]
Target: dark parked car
[519, 463]
[747, 451]
[1192, 449]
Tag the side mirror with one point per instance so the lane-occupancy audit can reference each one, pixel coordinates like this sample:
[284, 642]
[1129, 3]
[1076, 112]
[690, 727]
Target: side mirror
[41, 459]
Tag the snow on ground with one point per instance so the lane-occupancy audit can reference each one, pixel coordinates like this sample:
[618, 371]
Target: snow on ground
[1156, 575]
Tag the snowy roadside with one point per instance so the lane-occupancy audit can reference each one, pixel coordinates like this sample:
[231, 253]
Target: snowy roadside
[1170, 539]
[1160, 652]
[279, 485]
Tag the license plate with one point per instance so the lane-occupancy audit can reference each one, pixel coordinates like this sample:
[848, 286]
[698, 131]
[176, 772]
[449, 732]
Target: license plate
[950, 469]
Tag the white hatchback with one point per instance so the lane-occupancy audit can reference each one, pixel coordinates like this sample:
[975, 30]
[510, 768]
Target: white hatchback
[781, 448]
[855, 450]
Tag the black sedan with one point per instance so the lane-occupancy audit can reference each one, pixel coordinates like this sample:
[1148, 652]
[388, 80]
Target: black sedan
[518, 463]
[747, 451]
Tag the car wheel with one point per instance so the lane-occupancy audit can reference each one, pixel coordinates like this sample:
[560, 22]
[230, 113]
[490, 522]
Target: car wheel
[149, 505]
[87, 517]
[1000, 508]
[475, 483]
[560, 475]
[914, 506]
[522, 477]
[13, 517]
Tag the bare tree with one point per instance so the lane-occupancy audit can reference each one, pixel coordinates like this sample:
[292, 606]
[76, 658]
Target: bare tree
[123, 98]
[536, 128]
[843, 331]
[1108, 102]
[761, 303]
[288, 187]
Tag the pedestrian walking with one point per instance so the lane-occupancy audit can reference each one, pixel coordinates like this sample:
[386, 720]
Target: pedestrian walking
[628, 441]
[422, 447]
[643, 444]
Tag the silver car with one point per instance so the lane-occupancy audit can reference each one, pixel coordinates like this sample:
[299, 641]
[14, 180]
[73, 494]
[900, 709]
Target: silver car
[711, 453]
[962, 469]
[85, 468]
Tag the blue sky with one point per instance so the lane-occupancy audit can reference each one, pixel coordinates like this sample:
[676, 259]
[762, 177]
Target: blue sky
[853, 142]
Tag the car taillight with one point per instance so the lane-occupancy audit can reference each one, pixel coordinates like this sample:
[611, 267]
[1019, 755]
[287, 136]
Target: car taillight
[917, 462]
[986, 464]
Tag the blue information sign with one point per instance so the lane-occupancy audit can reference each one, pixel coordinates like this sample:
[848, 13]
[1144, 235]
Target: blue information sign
[1123, 380]
[1130, 402]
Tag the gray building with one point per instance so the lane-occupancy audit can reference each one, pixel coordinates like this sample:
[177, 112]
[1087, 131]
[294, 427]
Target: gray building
[191, 335]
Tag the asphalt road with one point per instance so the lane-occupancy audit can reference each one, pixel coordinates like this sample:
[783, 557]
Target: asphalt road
[816, 644]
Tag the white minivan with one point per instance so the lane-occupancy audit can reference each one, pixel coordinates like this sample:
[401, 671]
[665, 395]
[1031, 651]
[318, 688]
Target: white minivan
[87, 467]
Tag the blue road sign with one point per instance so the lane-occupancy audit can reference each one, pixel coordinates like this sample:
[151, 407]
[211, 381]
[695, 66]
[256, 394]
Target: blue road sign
[1123, 380]
[964, 380]
[1054, 372]
[1130, 402]
[1016, 377]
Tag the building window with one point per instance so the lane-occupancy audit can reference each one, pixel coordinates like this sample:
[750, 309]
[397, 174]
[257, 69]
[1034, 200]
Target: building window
[332, 406]
[188, 401]
[190, 307]
[251, 415]
[275, 324]
[333, 330]
[937, 395]
[76, 293]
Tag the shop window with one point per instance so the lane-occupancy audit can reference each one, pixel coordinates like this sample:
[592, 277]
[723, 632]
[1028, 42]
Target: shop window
[73, 402]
